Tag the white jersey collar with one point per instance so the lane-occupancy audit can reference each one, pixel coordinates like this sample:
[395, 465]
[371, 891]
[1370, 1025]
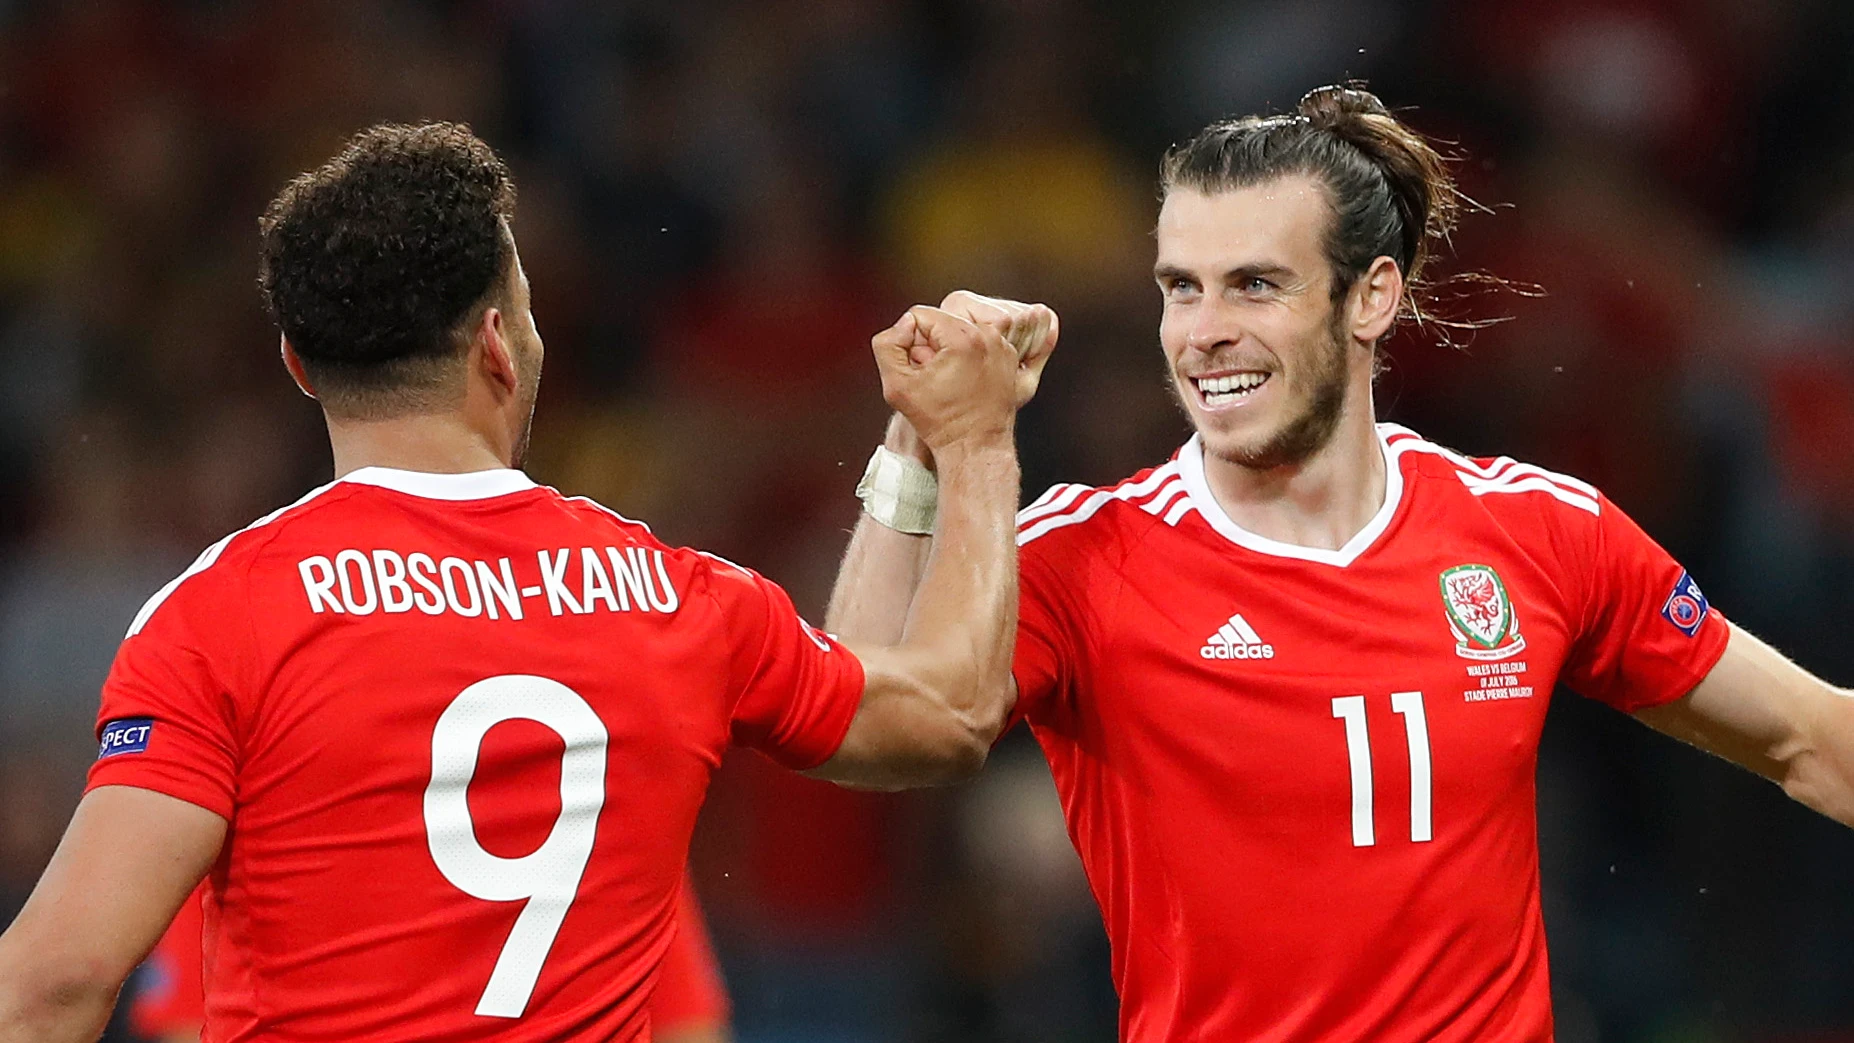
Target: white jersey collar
[470, 485]
[1191, 470]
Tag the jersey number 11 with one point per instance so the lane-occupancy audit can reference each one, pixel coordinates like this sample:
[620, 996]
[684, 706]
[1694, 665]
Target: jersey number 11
[1351, 710]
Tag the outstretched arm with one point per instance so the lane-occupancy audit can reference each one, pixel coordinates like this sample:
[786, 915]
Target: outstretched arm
[1763, 712]
[127, 861]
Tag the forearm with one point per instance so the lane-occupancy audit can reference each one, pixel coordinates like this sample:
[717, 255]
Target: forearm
[1818, 765]
[935, 701]
[881, 569]
[965, 611]
[35, 1008]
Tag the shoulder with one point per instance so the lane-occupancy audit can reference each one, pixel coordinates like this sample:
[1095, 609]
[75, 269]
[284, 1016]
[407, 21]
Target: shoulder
[1071, 518]
[221, 568]
[1500, 482]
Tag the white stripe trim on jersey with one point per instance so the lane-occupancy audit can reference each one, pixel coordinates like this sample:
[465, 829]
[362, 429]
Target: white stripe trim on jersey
[1157, 505]
[1096, 501]
[1055, 501]
[1048, 494]
[1506, 475]
[469, 485]
[1191, 468]
[1480, 487]
[207, 558]
[590, 502]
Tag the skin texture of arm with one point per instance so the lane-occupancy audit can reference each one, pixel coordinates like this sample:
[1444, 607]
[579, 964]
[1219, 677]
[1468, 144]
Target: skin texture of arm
[128, 860]
[1763, 712]
[934, 700]
[882, 567]
[884, 604]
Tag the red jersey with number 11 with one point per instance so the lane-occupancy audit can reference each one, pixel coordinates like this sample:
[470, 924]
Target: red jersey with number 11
[461, 726]
[1302, 781]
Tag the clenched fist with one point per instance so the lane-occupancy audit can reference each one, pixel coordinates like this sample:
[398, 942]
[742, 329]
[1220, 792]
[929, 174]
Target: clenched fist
[954, 380]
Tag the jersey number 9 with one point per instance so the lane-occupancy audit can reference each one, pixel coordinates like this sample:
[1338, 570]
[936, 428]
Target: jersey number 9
[547, 878]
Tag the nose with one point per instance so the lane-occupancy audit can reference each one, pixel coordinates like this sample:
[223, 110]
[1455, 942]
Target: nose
[1211, 327]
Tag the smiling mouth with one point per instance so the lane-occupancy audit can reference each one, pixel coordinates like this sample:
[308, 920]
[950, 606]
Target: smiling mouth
[1228, 390]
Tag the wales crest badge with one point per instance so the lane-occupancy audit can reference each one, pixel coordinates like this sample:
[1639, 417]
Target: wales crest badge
[1480, 613]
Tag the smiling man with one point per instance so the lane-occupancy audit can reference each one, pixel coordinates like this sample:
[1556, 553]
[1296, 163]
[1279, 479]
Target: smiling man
[1291, 683]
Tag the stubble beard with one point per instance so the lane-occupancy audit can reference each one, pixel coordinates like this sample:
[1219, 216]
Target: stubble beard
[531, 393]
[1308, 431]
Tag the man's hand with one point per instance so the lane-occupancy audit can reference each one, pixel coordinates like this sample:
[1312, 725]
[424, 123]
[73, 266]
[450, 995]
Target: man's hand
[955, 381]
[1031, 330]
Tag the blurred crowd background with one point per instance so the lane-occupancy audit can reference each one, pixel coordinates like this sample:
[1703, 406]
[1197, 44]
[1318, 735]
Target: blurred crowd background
[721, 201]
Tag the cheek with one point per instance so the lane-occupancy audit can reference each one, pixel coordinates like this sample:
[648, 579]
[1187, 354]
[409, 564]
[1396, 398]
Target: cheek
[1172, 334]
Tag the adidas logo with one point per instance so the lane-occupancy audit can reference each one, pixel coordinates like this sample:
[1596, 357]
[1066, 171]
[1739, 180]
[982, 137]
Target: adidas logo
[1236, 640]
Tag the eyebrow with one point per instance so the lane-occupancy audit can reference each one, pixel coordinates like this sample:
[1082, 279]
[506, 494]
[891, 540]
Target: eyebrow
[1261, 269]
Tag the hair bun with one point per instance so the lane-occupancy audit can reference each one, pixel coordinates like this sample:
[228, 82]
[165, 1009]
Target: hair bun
[1335, 105]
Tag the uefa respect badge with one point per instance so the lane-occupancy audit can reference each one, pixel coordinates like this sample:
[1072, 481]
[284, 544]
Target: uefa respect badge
[1686, 607]
[129, 735]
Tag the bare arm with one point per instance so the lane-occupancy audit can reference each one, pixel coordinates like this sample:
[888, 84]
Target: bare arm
[882, 568]
[935, 699]
[1763, 712]
[127, 861]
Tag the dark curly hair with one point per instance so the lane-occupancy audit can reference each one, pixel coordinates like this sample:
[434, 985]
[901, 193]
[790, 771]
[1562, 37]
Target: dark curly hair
[373, 261]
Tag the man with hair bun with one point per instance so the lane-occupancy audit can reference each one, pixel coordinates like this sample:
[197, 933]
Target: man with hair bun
[1291, 682]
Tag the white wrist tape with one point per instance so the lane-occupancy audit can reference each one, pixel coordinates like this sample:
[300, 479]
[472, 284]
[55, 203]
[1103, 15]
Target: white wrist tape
[899, 492]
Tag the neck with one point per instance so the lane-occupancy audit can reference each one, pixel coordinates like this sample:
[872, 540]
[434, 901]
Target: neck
[1320, 502]
[442, 443]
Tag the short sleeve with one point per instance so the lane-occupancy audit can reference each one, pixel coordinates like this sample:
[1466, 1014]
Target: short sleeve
[1648, 635]
[1047, 627]
[166, 718]
[797, 688]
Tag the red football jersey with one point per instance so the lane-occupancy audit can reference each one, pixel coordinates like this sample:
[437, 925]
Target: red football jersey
[172, 998]
[461, 726]
[1302, 781]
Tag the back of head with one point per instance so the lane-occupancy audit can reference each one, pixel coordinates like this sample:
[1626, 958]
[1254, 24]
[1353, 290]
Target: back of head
[373, 262]
[1390, 191]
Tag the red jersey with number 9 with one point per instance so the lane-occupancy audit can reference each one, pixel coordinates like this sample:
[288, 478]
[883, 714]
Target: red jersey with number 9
[460, 726]
[1302, 781]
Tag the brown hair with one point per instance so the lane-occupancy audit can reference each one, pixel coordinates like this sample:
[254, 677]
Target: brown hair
[1390, 190]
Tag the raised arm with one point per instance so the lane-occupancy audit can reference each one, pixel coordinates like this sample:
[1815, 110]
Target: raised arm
[127, 861]
[938, 672]
[1763, 712]
[883, 567]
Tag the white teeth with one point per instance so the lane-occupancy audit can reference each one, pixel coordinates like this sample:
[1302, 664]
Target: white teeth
[1223, 389]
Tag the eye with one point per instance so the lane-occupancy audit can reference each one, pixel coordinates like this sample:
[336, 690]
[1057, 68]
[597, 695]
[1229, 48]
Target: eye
[1176, 288]
[1257, 284]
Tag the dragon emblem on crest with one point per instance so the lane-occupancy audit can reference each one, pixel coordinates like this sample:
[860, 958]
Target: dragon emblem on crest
[1480, 613]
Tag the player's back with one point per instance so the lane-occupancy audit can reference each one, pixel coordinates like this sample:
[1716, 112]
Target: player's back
[461, 726]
